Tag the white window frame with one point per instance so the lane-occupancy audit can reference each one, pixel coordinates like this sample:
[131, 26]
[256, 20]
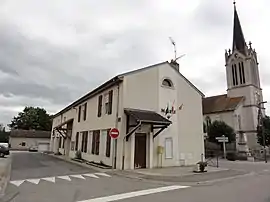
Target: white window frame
[168, 154]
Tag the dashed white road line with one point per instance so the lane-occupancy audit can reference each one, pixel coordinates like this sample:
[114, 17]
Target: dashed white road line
[34, 181]
[49, 179]
[91, 175]
[64, 177]
[78, 176]
[103, 174]
[135, 194]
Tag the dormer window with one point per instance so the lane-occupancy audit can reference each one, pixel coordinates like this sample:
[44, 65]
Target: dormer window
[167, 83]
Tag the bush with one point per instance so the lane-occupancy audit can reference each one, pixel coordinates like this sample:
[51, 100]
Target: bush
[231, 156]
[78, 155]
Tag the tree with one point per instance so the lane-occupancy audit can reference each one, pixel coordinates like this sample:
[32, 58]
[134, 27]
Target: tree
[32, 118]
[266, 130]
[4, 136]
[219, 128]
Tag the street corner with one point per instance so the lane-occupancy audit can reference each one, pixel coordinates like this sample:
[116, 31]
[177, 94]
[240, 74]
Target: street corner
[5, 171]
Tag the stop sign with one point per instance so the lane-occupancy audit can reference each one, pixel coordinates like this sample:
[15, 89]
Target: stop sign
[114, 133]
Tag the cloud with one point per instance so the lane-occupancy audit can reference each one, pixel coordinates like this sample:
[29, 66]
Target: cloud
[53, 52]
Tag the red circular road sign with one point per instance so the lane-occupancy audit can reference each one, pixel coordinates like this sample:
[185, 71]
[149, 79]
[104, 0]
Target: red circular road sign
[114, 133]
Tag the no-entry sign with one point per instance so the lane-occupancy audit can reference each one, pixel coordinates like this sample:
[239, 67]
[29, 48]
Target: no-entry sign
[114, 133]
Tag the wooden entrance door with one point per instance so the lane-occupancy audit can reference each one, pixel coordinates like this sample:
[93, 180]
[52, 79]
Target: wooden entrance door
[140, 151]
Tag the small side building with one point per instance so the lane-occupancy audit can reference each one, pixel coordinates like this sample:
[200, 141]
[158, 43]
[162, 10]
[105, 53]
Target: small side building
[24, 139]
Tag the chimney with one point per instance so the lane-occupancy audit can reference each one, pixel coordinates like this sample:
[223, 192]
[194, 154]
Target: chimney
[175, 65]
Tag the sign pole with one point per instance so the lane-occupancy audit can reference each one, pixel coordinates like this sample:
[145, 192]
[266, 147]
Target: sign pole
[224, 146]
[114, 133]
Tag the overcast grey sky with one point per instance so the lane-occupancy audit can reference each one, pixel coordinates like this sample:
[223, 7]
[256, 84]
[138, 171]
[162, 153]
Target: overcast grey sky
[54, 51]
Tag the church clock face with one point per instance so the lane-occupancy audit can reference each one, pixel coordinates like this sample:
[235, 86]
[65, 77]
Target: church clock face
[235, 55]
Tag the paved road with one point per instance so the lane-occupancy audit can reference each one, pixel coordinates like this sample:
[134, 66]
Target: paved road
[66, 182]
[37, 165]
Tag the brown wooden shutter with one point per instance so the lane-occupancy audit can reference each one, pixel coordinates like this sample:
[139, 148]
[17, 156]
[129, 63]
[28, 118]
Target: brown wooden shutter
[79, 113]
[85, 111]
[99, 106]
[77, 141]
[110, 101]
[108, 144]
[97, 142]
[93, 142]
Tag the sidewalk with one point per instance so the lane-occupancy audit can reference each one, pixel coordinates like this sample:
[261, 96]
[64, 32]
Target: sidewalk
[181, 174]
[5, 171]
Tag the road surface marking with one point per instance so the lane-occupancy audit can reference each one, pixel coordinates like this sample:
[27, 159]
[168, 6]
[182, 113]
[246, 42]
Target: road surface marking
[91, 175]
[78, 176]
[49, 179]
[134, 194]
[34, 181]
[103, 174]
[17, 182]
[66, 177]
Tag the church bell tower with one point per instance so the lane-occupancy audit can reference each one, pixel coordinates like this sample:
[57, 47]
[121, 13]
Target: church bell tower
[243, 79]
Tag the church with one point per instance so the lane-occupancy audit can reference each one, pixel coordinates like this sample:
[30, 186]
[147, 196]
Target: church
[239, 107]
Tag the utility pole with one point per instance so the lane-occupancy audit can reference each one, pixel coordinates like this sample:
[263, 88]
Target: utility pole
[260, 124]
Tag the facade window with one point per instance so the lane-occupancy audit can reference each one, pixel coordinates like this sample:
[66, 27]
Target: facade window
[23, 144]
[99, 106]
[168, 148]
[108, 102]
[95, 142]
[79, 113]
[167, 83]
[84, 141]
[77, 141]
[85, 111]
[108, 144]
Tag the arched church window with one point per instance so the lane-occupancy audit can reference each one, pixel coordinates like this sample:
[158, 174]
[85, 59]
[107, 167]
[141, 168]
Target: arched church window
[167, 83]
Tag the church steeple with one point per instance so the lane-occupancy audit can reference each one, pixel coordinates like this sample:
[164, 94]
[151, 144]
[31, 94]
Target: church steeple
[239, 42]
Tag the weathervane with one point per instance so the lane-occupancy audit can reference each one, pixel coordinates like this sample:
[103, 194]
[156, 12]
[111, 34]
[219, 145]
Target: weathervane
[175, 54]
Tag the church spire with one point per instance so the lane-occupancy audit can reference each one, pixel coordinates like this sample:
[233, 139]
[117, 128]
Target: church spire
[238, 36]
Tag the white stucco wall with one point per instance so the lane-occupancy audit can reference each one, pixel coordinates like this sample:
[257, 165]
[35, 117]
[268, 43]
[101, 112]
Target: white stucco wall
[16, 141]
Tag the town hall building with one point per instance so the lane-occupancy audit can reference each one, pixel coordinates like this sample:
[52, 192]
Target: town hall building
[239, 107]
[157, 111]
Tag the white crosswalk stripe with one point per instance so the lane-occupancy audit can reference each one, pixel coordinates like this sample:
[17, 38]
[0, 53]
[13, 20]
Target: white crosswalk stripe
[63, 177]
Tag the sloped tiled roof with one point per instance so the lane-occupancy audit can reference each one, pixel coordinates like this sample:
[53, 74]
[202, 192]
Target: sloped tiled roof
[30, 133]
[220, 103]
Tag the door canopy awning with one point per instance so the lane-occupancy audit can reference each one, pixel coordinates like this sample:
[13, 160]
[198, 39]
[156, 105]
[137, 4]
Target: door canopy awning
[146, 117]
[62, 130]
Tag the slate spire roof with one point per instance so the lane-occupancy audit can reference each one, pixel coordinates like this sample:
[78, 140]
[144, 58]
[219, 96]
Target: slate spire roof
[239, 42]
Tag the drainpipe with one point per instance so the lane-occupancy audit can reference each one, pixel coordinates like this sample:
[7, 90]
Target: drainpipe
[116, 126]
